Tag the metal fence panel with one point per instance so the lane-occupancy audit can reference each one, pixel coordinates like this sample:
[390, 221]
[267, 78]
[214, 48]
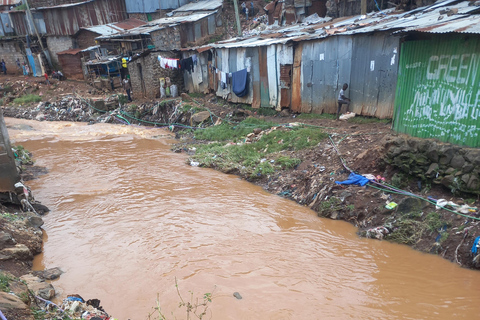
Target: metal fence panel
[438, 89]
[374, 74]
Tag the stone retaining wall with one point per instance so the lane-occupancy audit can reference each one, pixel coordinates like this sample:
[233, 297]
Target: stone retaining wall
[455, 167]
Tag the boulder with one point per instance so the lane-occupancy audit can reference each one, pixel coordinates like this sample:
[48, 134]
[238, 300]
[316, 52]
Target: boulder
[48, 274]
[457, 161]
[200, 116]
[39, 286]
[410, 205]
[20, 252]
[432, 169]
[35, 222]
[6, 239]
[10, 301]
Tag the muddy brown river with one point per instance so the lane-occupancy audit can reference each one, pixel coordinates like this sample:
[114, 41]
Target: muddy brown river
[128, 217]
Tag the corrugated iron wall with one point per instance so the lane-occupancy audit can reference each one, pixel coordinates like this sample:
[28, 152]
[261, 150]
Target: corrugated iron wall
[68, 20]
[326, 65]
[373, 77]
[438, 89]
[6, 25]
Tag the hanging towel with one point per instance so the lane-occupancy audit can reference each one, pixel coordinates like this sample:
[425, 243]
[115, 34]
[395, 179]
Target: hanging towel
[187, 64]
[240, 83]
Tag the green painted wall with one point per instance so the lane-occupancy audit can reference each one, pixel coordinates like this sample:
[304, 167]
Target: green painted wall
[438, 92]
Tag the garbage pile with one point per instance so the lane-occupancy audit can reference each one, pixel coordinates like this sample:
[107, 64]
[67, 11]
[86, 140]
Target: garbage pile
[75, 308]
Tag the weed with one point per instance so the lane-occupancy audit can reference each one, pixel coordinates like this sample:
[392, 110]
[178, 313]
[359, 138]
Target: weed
[316, 116]
[434, 221]
[264, 168]
[196, 95]
[122, 99]
[10, 216]
[194, 308]
[21, 7]
[399, 181]
[366, 120]
[28, 98]
[286, 162]
[260, 111]
[4, 282]
[328, 206]
[22, 154]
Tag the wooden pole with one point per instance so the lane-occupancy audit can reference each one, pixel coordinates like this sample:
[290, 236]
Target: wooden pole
[363, 7]
[239, 28]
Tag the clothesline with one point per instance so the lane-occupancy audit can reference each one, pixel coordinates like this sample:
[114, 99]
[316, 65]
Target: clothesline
[186, 64]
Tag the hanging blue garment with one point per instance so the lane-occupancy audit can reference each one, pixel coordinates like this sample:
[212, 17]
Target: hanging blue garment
[354, 178]
[240, 83]
[474, 247]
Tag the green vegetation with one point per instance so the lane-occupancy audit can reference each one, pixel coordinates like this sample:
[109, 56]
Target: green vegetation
[317, 116]
[28, 98]
[196, 95]
[260, 111]
[251, 158]
[21, 7]
[122, 99]
[9, 216]
[364, 120]
[410, 228]
[328, 206]
[4, 282]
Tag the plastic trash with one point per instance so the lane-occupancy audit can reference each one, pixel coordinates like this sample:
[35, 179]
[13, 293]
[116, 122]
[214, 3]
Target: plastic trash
[174, 90]
[163, 94]
[391, 205]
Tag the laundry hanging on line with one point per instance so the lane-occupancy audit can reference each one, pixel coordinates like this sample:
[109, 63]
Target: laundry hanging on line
[168, 63]
[240, 83]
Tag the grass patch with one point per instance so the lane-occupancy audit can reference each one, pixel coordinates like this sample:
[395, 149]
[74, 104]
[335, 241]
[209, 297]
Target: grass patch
[366, 120]
[251, 159]
[260, 111]
[317, 116]
[196, 95]
[28, 98]
[328, 206]
[22, 154]
[226, 131]
[4, 282]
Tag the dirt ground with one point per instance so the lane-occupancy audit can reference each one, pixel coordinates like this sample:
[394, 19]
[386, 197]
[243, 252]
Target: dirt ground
[362, 145]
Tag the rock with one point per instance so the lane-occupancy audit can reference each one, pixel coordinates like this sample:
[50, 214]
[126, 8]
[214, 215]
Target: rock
[433, 168]
[186, 97]
[466, 178]
[100, 105]
[473, 156]
[10, 301]
[39, 286]
[20, 252]
[457, 161]
[473, 183]
[447, 155]
[40, 208]
[237, 295]
[468, 167]
[432, 154]
[447, 180]
[200, 116]
[40, 117]
[35, 222]
[449, 171]
[285, 113]
[6, 239]
[410, 205]
[48, 274]
[257, 131]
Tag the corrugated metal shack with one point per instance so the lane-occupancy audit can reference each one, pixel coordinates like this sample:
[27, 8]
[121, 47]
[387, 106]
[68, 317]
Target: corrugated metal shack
[438, 91]
[303, 67]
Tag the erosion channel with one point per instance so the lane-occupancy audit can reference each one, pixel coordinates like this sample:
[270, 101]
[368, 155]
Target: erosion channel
[128, 216]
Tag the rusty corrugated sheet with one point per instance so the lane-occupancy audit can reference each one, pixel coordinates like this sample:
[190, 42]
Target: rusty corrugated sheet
[130, 24]
[71, 65]
[19, 22]
[296, 101]
[68, 20]
[285, 85]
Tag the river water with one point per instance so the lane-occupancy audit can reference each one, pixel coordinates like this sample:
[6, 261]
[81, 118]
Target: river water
[128, 217]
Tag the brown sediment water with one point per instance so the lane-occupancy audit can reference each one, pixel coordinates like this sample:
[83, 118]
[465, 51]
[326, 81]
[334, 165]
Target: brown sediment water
[128, 216]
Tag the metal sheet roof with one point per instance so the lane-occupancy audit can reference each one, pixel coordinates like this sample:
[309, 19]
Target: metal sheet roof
[111, 28]
[205, 5]
[470, 24]
[180, 19]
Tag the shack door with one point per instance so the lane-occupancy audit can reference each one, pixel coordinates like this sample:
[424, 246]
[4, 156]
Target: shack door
[285, 85]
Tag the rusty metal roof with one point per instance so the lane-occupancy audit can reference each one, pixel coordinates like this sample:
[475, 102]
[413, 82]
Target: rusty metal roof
[470, 24]
[112, 28]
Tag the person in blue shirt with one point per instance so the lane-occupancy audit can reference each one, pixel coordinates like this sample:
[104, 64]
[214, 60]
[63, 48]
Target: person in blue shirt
[342, 100]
